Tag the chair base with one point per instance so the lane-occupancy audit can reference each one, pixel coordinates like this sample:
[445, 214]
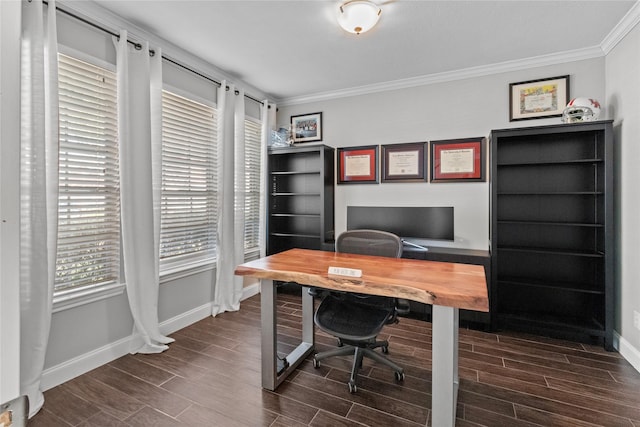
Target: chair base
[359, 353]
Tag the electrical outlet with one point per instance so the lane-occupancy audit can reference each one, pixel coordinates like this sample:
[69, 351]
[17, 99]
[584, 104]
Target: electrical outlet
[636, 319]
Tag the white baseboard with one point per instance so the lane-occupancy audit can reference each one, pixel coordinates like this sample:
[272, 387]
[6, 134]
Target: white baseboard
[185, 319]
[627, 351]
[249, 291]
[72, 368]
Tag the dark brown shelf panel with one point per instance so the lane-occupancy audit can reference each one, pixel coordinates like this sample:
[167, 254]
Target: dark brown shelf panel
[296, 215]
[581, 325]
[550, 163]
[296, 194]
[310, 236]
[552, 251]
[551, 193]
[584, 288]
[284, 173]
[549, 223]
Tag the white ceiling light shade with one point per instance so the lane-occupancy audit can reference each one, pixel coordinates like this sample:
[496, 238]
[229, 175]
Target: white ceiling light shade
[358, 16]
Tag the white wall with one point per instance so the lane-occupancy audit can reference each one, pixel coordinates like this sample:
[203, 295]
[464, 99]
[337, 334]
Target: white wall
[10, 18]
[622, 67]
[458, 109]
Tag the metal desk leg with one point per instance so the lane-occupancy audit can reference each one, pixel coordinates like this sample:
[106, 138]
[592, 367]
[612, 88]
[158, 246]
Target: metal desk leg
[444, 370]
[269, 333]
[268, 310]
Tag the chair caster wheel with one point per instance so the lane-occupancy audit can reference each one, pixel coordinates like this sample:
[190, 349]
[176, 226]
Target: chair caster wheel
[340, 343]
[316, 363]
[352, 387]
[399, 376]
[385, 349]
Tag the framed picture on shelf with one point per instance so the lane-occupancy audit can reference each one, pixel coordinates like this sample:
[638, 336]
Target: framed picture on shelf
[358, 165]
[307, 127]
[458, 160]
[404, 162]
[538, 99]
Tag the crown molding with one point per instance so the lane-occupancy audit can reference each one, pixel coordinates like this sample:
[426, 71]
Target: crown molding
[626, 24]
[449, 76]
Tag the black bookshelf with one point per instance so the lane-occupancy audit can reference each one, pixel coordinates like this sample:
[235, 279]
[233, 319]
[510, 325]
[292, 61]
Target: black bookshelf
[300, 209]
[552, 235]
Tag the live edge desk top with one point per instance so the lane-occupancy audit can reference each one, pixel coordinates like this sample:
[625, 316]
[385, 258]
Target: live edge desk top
[430, 282]
[447, 286]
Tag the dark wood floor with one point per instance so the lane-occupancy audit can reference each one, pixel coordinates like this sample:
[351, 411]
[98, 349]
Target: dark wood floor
[211, 377]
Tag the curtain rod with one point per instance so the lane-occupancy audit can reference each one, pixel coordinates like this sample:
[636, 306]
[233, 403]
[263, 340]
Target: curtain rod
[151, 52]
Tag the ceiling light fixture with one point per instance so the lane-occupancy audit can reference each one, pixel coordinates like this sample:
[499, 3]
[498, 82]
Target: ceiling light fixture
[358, 16]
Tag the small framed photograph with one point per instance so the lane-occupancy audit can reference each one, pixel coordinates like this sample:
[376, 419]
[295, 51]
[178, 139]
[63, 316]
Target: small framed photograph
[358, 165]
[458, 160]
[538, 99]
[404, 162]
[307, 127]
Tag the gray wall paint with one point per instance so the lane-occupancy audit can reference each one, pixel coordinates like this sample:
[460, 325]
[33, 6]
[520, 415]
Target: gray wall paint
[457, 109]
[623, 100]
[10, 26]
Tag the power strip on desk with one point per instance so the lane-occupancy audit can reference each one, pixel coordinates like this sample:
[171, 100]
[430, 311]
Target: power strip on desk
[343, 271]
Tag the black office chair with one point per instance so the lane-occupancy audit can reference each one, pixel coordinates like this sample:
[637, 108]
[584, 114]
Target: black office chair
[357, 319]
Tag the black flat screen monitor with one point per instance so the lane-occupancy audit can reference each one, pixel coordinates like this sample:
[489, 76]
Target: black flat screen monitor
[432, 223]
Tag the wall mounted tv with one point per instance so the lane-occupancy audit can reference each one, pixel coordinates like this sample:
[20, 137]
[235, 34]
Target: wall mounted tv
[432, 223]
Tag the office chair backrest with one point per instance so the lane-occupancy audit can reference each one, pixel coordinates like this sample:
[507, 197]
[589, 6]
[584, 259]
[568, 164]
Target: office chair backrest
[369, 242]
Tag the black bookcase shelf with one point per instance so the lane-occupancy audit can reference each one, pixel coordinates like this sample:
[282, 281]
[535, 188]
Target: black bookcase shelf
[301, 198]
[552, 235]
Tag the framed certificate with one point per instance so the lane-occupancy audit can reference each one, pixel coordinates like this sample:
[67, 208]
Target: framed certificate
[538, 99]
[458, 160]
[404, 162]
[358, 165]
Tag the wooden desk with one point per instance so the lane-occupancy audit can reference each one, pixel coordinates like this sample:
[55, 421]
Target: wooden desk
[446, 286]
[473, 319]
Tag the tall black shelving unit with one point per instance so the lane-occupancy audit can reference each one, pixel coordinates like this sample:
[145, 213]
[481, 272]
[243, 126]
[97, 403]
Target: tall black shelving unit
[301, 188]
[552, 234]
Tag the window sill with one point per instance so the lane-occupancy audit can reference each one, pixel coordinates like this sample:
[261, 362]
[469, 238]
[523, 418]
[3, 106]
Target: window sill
[65, 300]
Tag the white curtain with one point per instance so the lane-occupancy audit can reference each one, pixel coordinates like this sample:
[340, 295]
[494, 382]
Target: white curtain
[139, 78]
[268, 117]
[38, 191]
[231, 195]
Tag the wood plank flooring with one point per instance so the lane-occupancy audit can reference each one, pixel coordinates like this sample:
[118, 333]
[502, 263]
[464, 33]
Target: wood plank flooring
[211, 377]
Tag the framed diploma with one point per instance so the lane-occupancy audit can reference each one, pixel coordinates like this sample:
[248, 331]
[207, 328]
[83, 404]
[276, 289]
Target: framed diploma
[458, 160]
[358, 165]
[537, 99]
[404, 162]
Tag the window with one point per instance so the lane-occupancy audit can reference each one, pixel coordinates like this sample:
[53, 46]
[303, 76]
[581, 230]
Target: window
[89, 198]
[253, 136]
[189, 182]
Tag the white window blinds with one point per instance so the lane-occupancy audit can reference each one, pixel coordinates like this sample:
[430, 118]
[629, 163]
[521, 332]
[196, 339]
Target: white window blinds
[189, 182]
[89, 201]
[253, 136]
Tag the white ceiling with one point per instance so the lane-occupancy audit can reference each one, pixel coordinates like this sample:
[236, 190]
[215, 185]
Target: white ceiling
[296, 50]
